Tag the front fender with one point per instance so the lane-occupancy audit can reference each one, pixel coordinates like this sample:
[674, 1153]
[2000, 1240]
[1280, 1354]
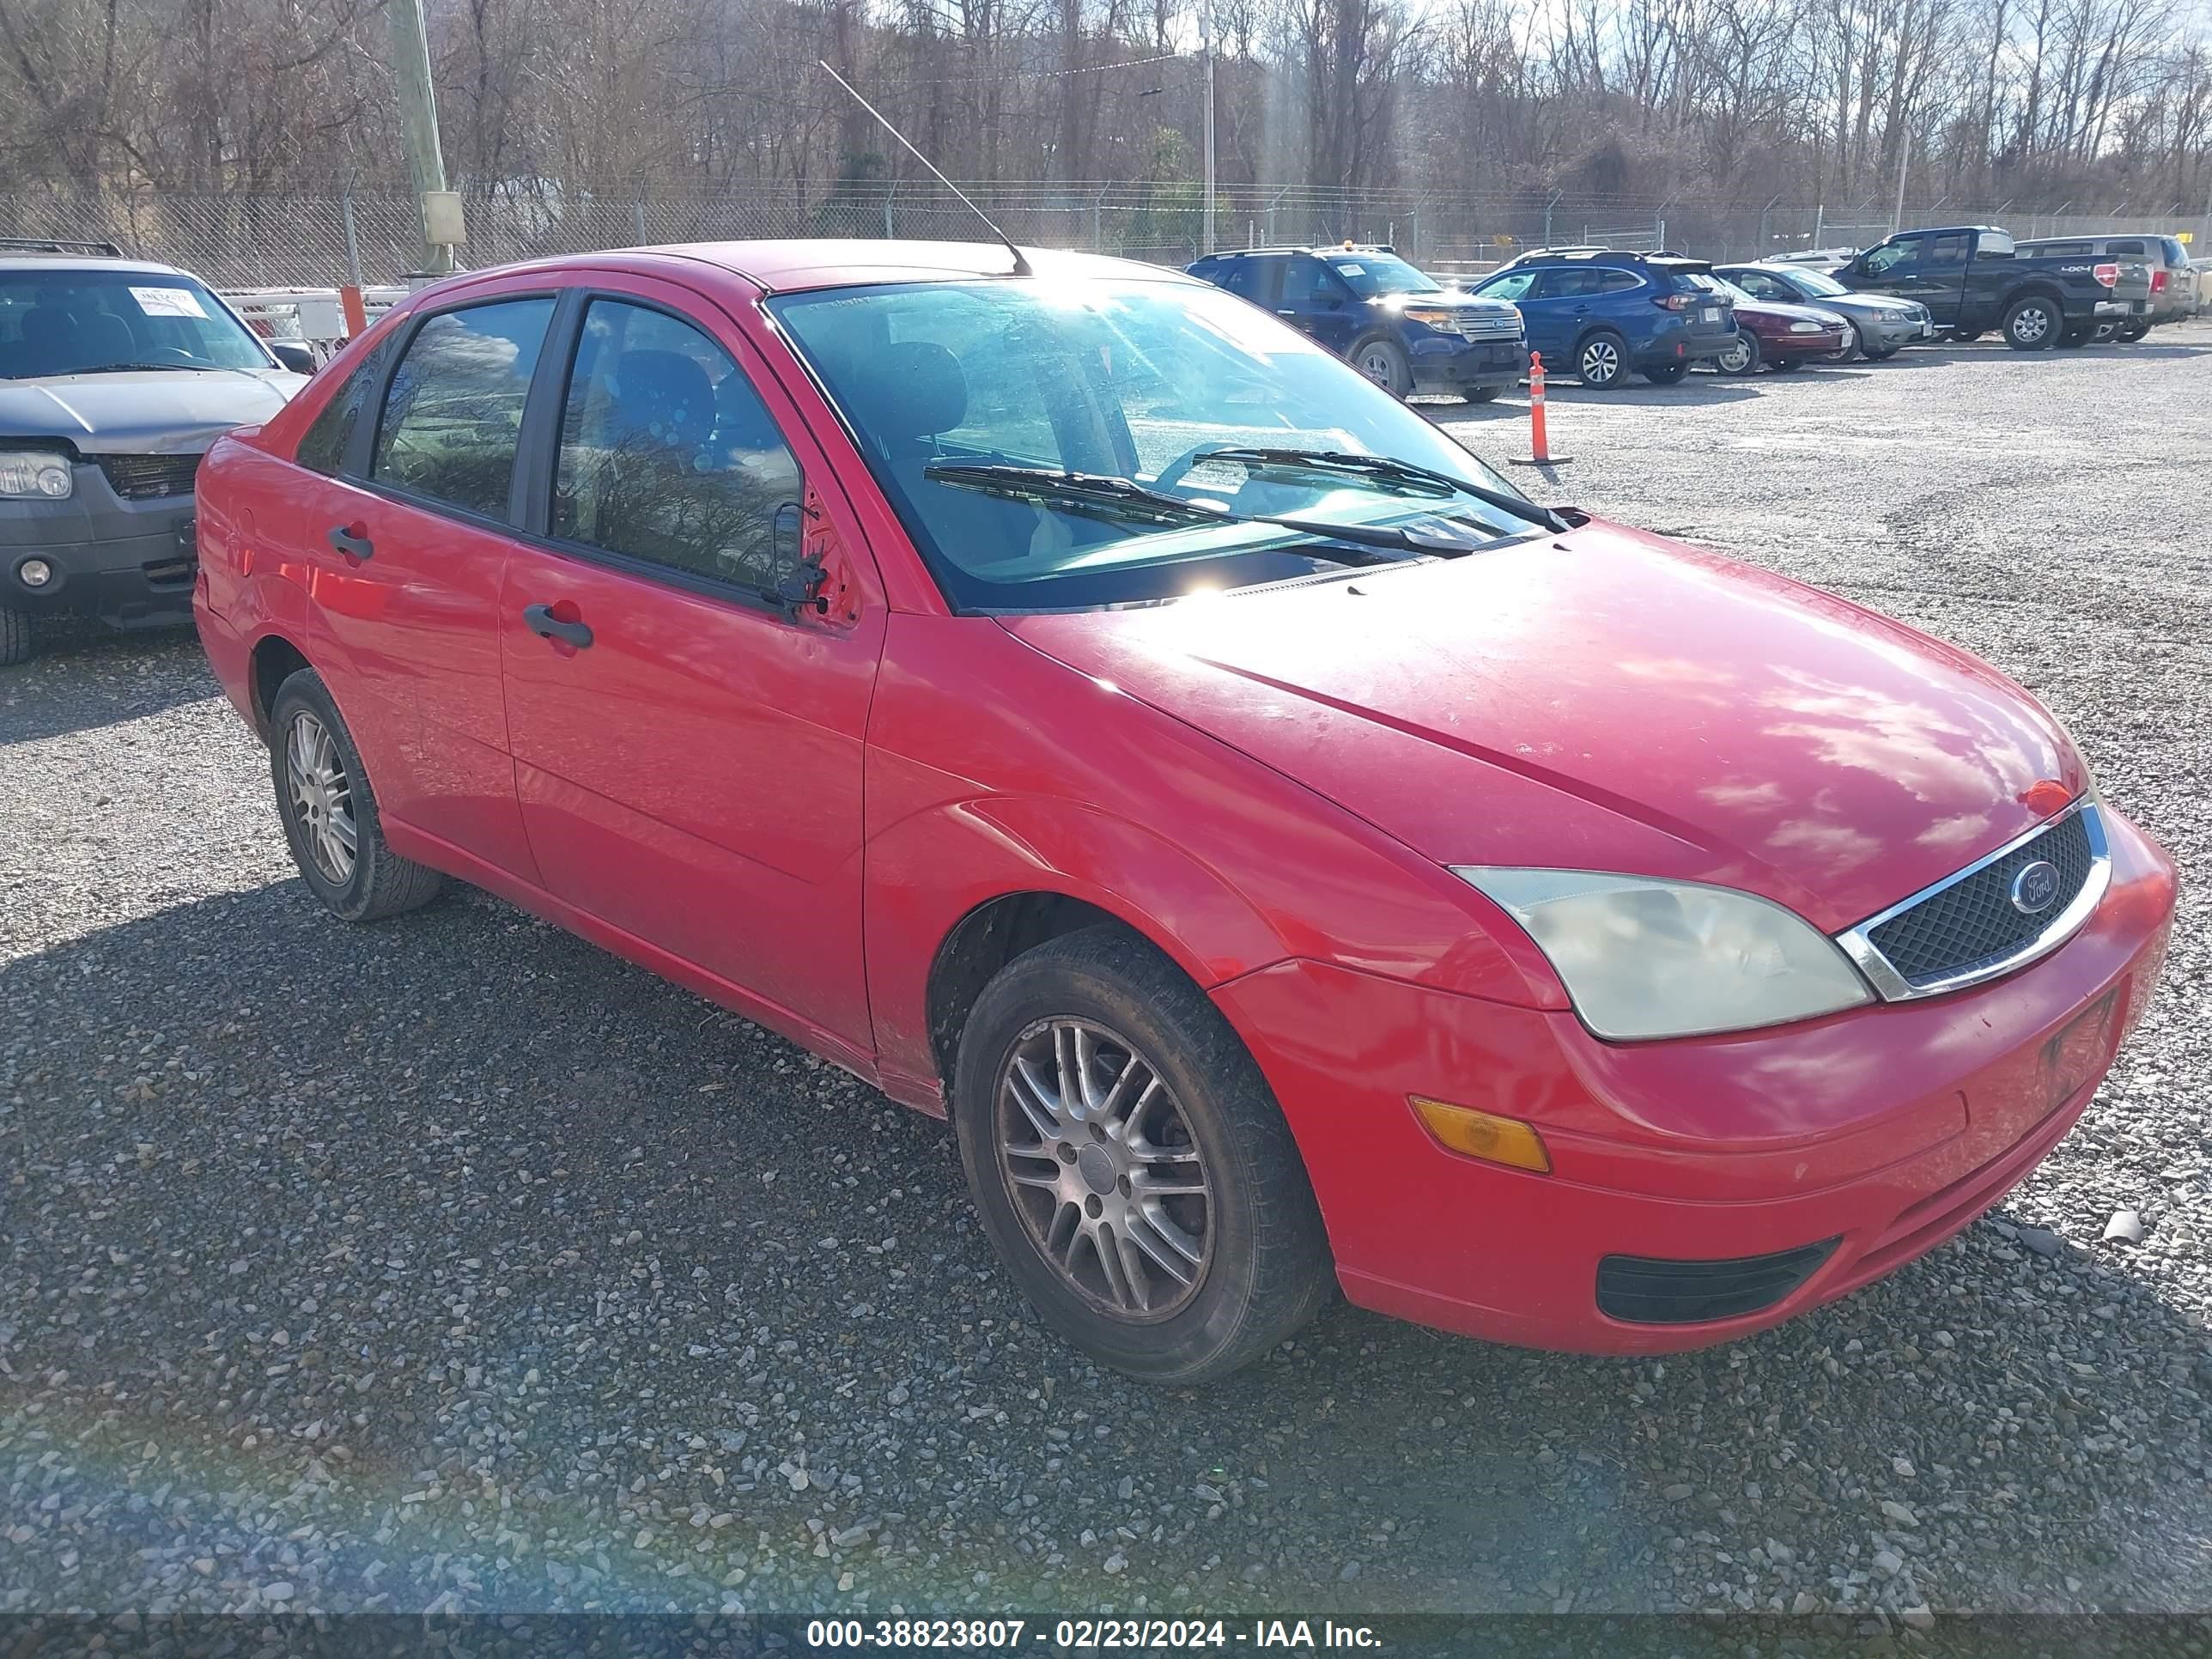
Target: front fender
[927, 872]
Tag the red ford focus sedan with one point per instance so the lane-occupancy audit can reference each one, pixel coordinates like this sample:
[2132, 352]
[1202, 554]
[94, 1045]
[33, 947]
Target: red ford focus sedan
[1078, 705]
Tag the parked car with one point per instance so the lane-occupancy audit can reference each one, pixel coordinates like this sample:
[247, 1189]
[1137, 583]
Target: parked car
[2202, 302]
[1972, 279]
[1818, 259]
[2171, 288]
[1881, 326]
[1603, 313]
[1399, 326]
[1779, 337]
[115, 376]
[1075, 702]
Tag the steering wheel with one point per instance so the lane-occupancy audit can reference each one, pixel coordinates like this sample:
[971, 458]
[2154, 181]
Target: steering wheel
[1172, 474]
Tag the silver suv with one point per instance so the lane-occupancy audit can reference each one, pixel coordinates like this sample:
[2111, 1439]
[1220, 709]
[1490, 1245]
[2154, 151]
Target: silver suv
[115, 377]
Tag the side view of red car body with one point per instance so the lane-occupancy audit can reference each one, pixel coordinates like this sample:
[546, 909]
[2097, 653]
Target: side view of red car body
[1284, 869]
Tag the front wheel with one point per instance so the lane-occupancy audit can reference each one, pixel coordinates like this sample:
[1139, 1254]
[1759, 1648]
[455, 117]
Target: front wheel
[1129, 1165]
[323, 795]
[1666, 374]
[1883, 356]
[1601, 361]
[1385, 362]
[1742, 357]
[15, 636]
[2033, 323]
[1845, 352]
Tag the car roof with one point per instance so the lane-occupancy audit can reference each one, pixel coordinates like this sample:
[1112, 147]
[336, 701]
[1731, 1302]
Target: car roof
[786, 266]
[59, 262]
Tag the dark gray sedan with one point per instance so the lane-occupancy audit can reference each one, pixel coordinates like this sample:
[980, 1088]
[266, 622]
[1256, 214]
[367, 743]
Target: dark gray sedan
[1881, 326]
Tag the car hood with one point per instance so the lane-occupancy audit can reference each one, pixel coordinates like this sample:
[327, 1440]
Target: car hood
[1607, 700]
[1457, 298]
[150, 412]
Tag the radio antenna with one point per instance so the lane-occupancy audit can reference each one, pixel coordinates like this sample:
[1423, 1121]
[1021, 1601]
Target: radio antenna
[1021, 264]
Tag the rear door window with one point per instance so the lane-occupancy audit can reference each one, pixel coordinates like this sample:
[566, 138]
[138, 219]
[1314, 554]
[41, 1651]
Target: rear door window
[1567, 283]
[1615, 281]
[1253, 279]
[669, 456]
[452, 416]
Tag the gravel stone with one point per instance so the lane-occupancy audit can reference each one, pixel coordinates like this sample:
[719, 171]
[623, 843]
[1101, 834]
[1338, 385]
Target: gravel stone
[451, 1264]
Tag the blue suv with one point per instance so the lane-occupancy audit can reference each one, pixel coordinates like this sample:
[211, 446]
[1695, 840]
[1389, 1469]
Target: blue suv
[1600, 313]
[1399, 326]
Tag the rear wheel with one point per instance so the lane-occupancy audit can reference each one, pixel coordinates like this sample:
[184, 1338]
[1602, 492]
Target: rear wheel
[1129, 1165]
[1385, 362]
[15, 636]
[323, 795]
[1742, 357]
[2033, 323]
[1601, 360]
[1666, 374]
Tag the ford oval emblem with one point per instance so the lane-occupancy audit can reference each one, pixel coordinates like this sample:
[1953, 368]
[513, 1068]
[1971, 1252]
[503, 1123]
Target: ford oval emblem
[2035, 888]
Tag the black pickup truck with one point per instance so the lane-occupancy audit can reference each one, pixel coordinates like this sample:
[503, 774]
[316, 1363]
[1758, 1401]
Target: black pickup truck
[1971, 281]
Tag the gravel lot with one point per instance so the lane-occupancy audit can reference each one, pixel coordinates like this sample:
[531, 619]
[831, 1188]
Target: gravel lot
[453, 1264]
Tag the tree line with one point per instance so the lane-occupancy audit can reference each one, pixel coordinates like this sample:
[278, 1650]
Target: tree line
[2106, 103]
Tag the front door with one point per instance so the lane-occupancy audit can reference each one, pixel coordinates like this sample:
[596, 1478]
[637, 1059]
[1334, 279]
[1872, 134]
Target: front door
[405, 542]
[688, 744]
[1318, 300]
[1537, 321]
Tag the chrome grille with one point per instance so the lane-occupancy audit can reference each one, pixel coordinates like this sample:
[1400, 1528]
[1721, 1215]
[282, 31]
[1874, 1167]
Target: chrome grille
[1488, 325]
[147, 478]
[1967, 928]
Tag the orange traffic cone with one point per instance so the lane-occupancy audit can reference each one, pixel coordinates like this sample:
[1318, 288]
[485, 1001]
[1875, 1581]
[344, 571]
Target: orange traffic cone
[1540, 440]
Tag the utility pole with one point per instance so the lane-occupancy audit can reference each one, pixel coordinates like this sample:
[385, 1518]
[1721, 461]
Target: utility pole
[1205, 238]
[1903, 154]
[440, 210]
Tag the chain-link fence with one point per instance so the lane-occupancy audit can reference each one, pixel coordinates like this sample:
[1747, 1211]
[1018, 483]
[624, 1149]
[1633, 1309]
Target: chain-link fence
[261, 241]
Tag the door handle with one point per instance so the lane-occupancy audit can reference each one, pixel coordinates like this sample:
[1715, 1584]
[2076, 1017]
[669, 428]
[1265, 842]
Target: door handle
[1286, 313]
[352, 540]
[547, 626]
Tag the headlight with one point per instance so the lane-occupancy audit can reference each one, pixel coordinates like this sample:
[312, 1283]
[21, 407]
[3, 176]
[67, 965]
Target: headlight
[1646, 959]
[1808, 328]
[35, 472]
[1434, 316]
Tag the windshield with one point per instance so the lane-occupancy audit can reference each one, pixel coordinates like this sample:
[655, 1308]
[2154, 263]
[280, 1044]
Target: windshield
[967, 398]
[1813, 282]
[88, 322]
[1371, 274]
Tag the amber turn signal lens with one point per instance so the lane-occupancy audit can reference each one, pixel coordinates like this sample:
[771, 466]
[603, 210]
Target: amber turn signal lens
[1478, 1135]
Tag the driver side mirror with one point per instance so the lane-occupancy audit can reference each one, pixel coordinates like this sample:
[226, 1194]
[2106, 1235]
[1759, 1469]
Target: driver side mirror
[295, 355]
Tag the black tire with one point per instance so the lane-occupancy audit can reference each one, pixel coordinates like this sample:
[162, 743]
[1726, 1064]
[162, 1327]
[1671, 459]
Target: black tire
[15, 636]
[2129, 333]
[1385, 362]
[1482, 394]
[1786, 365]
[379, 882]
[1265, 1269]
[1602, 360]
[1854, 345]
[1743, 361]
[1667, 374]
[1883, 356]
[1966, 336]
[2034, 323]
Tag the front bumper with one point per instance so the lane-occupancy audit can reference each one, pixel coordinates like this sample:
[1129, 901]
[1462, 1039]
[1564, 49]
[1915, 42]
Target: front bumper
[128, 563]
[1878, 1132]
[1801, 345]
[1444, 362]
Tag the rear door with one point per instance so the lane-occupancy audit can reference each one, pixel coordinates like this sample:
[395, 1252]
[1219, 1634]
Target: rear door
[406, 543]
[1556, 309]
[687, 744]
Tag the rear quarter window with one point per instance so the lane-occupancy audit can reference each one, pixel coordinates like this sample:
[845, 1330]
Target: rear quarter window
[329, 438]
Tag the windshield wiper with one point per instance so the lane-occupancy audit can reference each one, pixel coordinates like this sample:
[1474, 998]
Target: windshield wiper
[1382, 467]
[1105, 495]
[129, 368]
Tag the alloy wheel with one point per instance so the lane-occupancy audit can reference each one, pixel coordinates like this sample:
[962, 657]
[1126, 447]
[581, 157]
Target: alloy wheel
[322, 798]
[1735, 359]
[1601, 362]
[2033, 323]
[1103, 1169]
